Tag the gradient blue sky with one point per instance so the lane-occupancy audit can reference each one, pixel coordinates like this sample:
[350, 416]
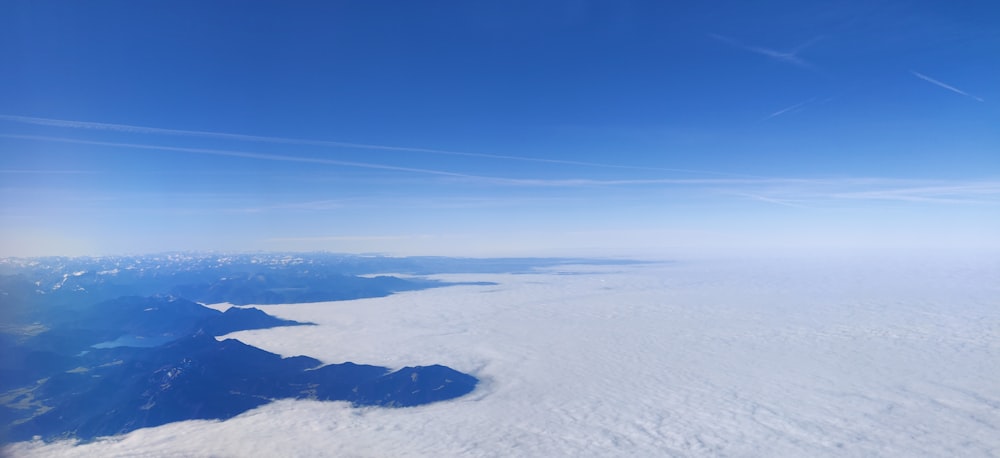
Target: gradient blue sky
[499, 128]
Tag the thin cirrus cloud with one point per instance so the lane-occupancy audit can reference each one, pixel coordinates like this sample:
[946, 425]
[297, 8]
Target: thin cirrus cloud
[240, 154]
[312, 205]
[945, 86]
[789, 109]
[789, 57]
[968, 193]
[541, 182]
[818, 193]
[126, 128]
[788, 192]
[495, 180]
[45, 172]
[771, 200]
[569, 182]
[781, 191]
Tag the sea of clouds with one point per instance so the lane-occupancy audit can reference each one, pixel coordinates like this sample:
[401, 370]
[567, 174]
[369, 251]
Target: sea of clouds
[875, 357]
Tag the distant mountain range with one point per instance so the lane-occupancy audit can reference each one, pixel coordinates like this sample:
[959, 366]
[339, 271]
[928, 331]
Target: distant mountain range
[29, 283]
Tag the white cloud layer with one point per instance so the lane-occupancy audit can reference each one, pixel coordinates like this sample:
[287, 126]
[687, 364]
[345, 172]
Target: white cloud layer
[763, 358]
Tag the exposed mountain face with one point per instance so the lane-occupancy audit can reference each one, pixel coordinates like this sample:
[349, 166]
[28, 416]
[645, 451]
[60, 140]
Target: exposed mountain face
[63, 337]
[121, 389]
[94, 347]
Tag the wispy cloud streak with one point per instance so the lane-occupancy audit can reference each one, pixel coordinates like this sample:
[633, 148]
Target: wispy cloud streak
[788, 109]
[368, 165]
[45, 172]
[536, 182]
[240, 154]
[126, 128]
[772, 200]
[790, 57]
[789, 192]
[315, 205]
[539, 182]
[976, 192]
[945, 86]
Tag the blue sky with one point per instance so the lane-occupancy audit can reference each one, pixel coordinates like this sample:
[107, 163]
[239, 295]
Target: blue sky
[499, 128]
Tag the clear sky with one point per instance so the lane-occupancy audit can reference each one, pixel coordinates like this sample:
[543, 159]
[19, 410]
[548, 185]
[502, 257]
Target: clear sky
[499, 128]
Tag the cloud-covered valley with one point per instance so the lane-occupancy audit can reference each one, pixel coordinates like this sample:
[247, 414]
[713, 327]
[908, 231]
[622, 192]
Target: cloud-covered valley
[762, 358]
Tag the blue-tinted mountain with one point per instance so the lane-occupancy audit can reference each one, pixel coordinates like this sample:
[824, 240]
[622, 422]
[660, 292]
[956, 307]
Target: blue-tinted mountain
[29, 288]
[123, 322]
[263, 278]
[199, 377]
[134, 362]
[100, 346]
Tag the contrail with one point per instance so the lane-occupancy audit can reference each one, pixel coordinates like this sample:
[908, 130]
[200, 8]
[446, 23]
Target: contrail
[368, 165]
[788, 109]
[127, 128]
[44, 172]
[946, 86]
[801, 189]
[790, 57]
[243, 154]
[771, 200]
